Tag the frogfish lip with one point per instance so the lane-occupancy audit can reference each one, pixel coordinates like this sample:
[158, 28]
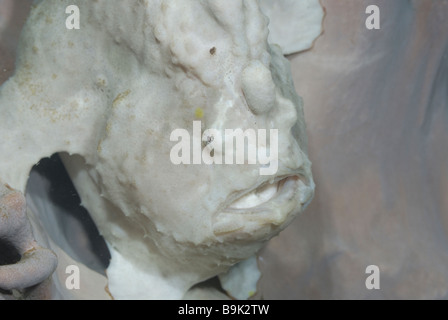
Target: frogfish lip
[263, 211]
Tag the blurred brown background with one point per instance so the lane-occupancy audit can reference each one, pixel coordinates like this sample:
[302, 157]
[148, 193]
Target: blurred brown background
[376, 106]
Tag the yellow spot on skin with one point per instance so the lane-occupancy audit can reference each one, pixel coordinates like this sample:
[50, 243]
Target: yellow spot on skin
[74, 105]
[121, 97]
[28, 252]
[99, 147]
[199, 113]
[101, 82]
[54, 76]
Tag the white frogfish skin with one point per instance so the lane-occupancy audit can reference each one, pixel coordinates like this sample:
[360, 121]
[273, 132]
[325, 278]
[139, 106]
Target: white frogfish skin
[109, 94]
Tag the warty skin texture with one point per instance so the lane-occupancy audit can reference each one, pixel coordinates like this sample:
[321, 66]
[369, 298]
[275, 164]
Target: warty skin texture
[111, 93]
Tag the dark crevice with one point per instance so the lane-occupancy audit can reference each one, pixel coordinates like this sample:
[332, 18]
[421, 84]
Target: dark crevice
[5, 292]
[63, 195]
[8, 253]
